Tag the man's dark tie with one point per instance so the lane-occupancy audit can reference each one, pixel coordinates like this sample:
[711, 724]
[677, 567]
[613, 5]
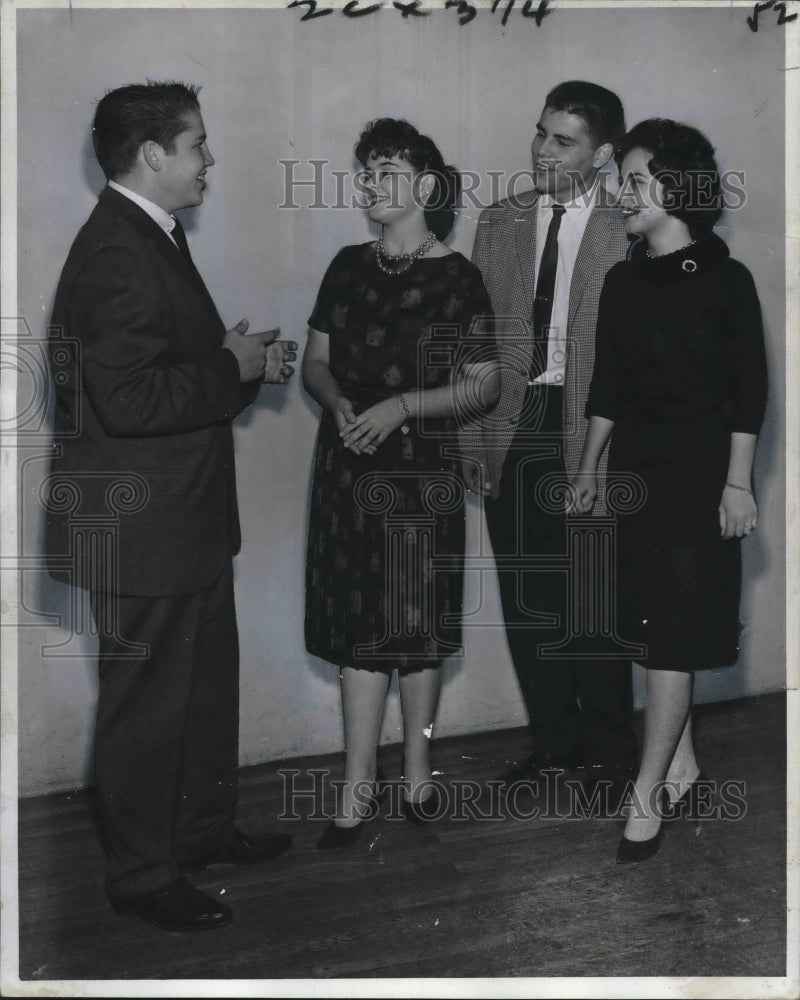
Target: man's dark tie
[179, 236]
[543, 301]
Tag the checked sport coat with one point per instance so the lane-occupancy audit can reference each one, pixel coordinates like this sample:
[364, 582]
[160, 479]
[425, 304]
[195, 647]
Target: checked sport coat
[505, 252]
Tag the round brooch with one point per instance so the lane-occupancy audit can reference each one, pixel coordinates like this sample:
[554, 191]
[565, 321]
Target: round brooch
[689, 265]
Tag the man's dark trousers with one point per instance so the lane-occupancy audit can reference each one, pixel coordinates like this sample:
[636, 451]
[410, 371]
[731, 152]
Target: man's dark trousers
[166, 744]
[579, 710]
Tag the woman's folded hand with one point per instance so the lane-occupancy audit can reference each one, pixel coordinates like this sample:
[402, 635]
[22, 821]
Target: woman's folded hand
[372, 427]
[584, 492]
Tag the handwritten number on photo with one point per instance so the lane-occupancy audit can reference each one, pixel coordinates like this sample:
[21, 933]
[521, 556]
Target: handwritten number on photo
[414, 8]
[411, 8]
[759, 8]
[352, 9]
[465, 10]
[312, 11]
[538, 15]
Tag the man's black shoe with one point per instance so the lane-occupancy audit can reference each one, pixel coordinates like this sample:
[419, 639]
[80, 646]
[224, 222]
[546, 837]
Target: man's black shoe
[242, 849]
[175, 907]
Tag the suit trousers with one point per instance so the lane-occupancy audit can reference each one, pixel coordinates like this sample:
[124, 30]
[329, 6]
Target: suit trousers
[579, 710]
[166, 742]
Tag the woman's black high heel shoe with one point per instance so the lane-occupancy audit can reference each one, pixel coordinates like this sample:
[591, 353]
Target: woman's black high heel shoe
[685, 807]
[334, 836]
[631, 851]
[426, 811]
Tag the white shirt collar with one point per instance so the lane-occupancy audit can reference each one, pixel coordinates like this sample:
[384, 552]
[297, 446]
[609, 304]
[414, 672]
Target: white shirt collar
[586, 200]
[156, 212]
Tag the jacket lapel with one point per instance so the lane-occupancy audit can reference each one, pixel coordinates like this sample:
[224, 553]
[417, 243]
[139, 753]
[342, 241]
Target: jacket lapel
[596, 238]
[525, 235]
[187, 267]
[160, 242]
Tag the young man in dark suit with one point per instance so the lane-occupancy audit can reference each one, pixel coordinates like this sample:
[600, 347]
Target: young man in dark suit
[544, 255]
[142, 507]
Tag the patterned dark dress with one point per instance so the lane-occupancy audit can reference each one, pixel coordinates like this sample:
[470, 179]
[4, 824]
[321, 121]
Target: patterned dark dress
[384, 575]
[679, 366]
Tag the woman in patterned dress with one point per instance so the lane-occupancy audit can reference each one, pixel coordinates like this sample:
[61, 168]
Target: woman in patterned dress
[400, 348]
[679, 386]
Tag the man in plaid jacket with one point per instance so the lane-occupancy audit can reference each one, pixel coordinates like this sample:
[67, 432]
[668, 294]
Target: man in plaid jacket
[544, 256]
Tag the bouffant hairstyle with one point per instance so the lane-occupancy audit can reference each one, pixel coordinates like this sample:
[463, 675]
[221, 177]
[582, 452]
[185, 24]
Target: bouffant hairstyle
[600, 109]
[682, 160]
[128, 117]
[396, 137]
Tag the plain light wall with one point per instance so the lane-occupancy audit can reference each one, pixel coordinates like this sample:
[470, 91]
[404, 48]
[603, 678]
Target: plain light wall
[277, 89]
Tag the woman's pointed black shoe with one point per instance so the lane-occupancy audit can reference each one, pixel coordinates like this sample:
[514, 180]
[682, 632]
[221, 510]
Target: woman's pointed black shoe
[334, 837]
[426, 811]
[631, 851]
[685, 807]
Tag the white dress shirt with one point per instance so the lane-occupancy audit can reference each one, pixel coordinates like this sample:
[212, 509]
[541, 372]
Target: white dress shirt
[570, 234]
[156, 212]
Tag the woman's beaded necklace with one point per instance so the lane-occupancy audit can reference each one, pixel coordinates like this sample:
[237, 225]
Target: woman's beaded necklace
[393, 264]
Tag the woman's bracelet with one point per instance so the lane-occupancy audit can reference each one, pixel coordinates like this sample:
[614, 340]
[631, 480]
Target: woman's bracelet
[404, 406]
[744, 489]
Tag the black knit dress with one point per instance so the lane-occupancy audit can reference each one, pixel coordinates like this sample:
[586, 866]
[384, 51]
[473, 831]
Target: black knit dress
[679, 367]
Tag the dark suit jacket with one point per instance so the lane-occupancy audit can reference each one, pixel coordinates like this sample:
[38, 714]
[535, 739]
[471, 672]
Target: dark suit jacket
[505, 251]
[142, 493]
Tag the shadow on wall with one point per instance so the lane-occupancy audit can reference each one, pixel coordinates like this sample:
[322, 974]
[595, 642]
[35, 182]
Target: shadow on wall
[92, 174]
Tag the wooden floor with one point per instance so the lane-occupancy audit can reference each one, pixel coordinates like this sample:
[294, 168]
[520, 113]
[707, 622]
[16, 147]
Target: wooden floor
[495, 897]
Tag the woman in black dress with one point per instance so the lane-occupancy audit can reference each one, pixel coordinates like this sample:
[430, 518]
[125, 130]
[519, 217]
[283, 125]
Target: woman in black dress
[394, 357]
[680, 387]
